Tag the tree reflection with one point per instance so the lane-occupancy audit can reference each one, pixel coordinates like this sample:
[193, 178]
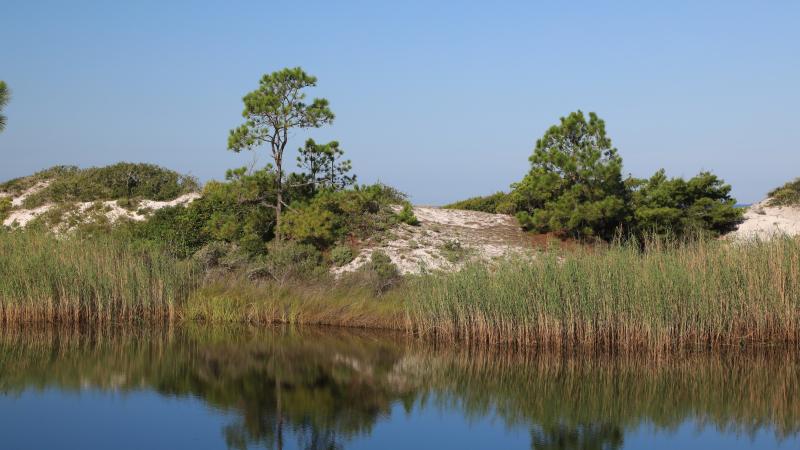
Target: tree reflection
[602, 436]
[319, 390]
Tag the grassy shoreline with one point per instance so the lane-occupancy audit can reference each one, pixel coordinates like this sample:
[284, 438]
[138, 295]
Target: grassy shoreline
[704, 294]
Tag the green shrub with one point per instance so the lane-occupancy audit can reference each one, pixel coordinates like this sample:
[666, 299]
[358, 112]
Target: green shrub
[453, 251]
[229, 212]
[497, 203]
[5, 209]
[786, 195]
[384, 272]
[118, 181]
[210, 254]
[406, 216]
[332, 216]
[575, 185]
[341, 255]
[221, 255]
[674, 206]
[575, 188]
[310, 224]
[179, 229]
[19, 185]
[287, 260]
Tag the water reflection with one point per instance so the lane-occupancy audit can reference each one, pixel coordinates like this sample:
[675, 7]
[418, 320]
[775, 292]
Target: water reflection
[321, 389]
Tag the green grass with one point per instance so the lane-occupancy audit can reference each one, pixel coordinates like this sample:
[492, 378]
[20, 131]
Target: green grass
[349, 303]
[68, 279]
[699, 295]
[706, 294]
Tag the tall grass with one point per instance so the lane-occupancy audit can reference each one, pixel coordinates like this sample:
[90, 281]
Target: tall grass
[69, 279]
[700, 295]
[704, 294]
[234, 298]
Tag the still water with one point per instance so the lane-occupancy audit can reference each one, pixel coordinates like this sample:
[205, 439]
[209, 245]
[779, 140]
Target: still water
[210, 388]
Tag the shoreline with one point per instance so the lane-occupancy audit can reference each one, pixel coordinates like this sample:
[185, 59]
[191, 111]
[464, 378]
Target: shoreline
[705, 295]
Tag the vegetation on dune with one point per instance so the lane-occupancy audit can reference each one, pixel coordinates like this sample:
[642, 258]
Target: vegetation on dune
[5, 208]
[118, 181]
[674, 206]
[407, 216]
[786, 195]
[575, 184]
[575, 188]
[271, 111]
[497, 203]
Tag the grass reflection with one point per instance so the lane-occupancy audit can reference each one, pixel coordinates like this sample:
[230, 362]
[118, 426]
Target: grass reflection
[321, 387]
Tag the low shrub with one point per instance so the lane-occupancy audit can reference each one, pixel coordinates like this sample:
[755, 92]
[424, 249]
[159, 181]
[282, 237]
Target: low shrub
[5, 208]
[786, 195]
[119, 181]
[453, 251]
[332, 216]
[341, 255]
[288, 260]
[406, 216]
[384, 272]
[497, 203]
[220, 255]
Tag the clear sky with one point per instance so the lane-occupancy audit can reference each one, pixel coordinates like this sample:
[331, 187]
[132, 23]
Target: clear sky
[443, 100]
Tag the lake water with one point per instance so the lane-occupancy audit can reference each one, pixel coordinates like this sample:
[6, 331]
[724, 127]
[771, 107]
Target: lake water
[209, 388]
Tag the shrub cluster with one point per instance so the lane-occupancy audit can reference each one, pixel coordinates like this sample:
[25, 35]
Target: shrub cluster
[674, 206]
[5, 208]
[333, 215]
[786, 195]
[407, 216]
[497, 203]
[118, 181]
[575, 188]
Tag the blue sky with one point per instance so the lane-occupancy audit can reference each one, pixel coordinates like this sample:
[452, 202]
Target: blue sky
[443, 100]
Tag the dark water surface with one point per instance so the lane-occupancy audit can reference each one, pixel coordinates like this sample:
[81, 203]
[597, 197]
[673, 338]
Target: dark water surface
[209, 388]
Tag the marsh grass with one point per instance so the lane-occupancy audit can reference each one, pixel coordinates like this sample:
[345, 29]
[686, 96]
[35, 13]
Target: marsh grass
[69, 279]
[689, 295]
[348, 303]
[701, 294]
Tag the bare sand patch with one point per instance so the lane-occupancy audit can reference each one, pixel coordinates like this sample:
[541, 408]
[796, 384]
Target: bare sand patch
[445, 240]
[765, 222]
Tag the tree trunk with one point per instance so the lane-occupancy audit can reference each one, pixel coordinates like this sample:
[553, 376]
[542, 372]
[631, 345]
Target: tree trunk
[279, 203]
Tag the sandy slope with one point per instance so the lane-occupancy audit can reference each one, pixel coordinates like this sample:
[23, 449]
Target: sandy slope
[21, 217]
[764, 222]
[429, 246]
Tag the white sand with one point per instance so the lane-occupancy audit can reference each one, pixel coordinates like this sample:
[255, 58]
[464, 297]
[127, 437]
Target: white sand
[20, 217]
[419, 249]
[765, 222]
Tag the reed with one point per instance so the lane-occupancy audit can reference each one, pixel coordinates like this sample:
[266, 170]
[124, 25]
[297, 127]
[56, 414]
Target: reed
[687, 295]
[71, 279]
[702, 294]
[234, 298]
